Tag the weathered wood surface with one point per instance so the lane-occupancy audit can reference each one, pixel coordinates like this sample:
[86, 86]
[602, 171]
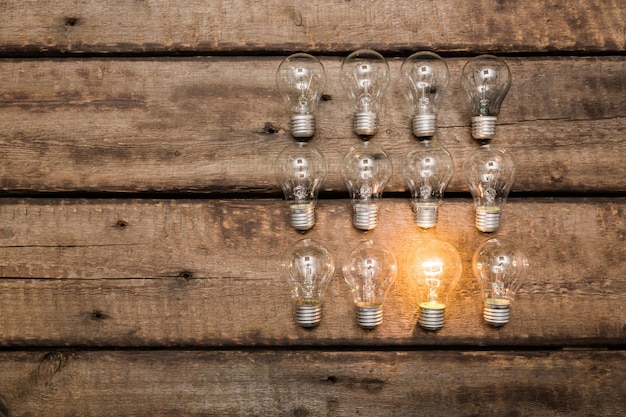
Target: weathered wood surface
[217, 124]
[207, 273]
[34, 27]
[308, 383]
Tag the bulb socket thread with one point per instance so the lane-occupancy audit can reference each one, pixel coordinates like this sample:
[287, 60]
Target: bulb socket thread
[370, 317]
[431, 318]
[308, 315]
[302, 216]
[365, 124]
[488, 219]
[497, 313]
[424, 125]
[302, 125]
[426, 215]
[484, 127]
[365, 216]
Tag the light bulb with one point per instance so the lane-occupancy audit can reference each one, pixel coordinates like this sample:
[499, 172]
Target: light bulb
[300, 80]
[366, 169]
[486, 80]
[427, 172]
[425, 76]
[500, 267]
[489, 174]
[309, 267]
[365, 76]
[300, 169]
[370, 270]
[435, 268]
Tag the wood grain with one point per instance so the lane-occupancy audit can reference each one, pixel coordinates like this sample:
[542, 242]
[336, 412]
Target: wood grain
[309, 383]
[217, 124]
[207, 273]
[240, 26]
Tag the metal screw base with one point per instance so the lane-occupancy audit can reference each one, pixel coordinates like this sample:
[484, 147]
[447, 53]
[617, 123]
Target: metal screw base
[484, 127]
[365, 124]
[497, 312]
[302, 125]
[365, 216]
[426, 215]
[431, 318]
[424, 125]
[488, 219]
[302, 216]
[370, 317]
[308, 315]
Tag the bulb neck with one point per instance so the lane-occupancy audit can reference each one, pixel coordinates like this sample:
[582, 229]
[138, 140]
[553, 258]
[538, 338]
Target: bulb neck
[302, 125]
[308, 315]
[426, 214]
[365, 124]
[364, 215]
[370, 317]
[302, 216]
[484, 127]
[488, 219]
[497, 313]
[431, 316]
[424, 125]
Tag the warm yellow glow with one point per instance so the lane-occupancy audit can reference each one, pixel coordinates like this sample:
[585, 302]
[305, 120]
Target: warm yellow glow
[432, 268]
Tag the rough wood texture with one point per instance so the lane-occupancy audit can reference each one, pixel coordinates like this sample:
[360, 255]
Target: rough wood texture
[331, 25]
[304, 383]
[207, 273]
[217, 124]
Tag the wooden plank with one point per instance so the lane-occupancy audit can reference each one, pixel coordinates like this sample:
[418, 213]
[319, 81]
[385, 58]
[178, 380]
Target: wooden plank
[217, 124]
[207, 273]
[244, 25]
[309, 383]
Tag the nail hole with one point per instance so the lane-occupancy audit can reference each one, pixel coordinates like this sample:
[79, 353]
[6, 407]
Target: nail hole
[185, 275]
[331, 379]
[271, 128]
[326, 97]
[71, 21]
[121, 224]
[97, 315]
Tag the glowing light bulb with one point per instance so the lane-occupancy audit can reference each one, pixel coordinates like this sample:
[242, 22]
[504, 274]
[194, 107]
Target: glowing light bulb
[309, 267]
[300, 169]
[427, 172]
[300, 80]
[425, 76]
[435, 268]
[500, 267]
[490, 174]
[370, 270]
[365, 171]
[365, 76]
[486, 80]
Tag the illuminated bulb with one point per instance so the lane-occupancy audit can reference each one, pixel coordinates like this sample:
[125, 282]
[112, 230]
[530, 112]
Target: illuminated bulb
[435, 268]
[370, 271]
[365, 171]
[486, 80]
[365, 76]
[490, 174]
[309, 268]
[300, 169]
[300, 80]
[425, 77]
[427, 172]
[500, 266]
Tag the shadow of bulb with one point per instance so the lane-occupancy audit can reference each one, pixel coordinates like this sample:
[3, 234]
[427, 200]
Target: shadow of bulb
[369, 271]
[500, 267]
[309, 268]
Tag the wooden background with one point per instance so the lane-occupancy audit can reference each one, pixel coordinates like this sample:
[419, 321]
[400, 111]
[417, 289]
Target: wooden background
[141, 228]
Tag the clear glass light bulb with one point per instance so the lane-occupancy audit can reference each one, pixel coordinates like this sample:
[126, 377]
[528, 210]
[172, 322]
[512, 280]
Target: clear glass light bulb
[300, 80]
[365, 76]
[489, 174]
[486, 80]
[309, 268]
[427, 171]
[435, 268]
[301, 169]
[366, 169]
[500, 266]
[370, 270]
[425, 76]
